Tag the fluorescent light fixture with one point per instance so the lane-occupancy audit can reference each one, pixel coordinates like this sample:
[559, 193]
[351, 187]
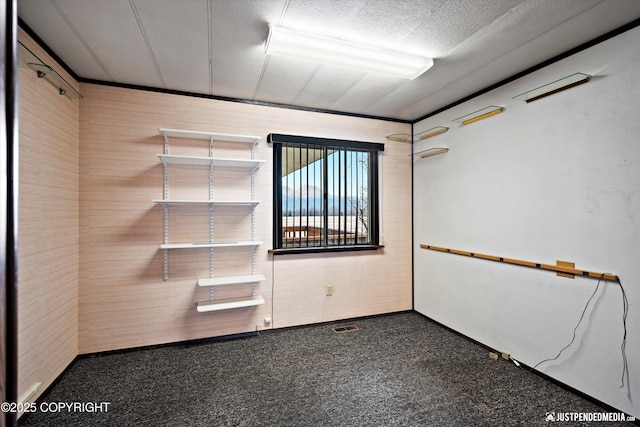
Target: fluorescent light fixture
[554, 87]
[328, 50]
[431, 132]
[479, 115]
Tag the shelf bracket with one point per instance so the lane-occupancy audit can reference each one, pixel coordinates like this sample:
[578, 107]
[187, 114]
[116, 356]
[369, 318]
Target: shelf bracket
[211, 219]
[44, 71]
[165, 238]
[166, 265]
[165, 195]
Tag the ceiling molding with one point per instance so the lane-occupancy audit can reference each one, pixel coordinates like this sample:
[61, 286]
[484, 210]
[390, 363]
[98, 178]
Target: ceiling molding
[239, 100]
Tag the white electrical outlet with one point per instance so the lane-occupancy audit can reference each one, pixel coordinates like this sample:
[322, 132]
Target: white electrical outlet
[329, 290]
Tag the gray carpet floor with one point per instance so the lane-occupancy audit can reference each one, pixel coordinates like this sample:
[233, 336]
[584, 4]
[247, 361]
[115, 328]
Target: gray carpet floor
[395, 370]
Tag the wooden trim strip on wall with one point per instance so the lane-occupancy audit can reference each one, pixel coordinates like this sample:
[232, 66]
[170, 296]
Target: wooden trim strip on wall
[550, 267]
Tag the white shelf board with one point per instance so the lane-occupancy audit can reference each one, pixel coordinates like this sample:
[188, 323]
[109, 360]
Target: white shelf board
[252, 203]
[230, 303]
[238, 163]
[192, 134]
[231, 280]
[210, 245]
[172, 159]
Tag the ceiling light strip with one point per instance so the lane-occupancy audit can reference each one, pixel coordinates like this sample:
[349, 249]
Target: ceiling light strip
[327, 50]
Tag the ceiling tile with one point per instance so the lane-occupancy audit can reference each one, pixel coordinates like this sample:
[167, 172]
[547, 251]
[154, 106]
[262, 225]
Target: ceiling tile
[366, 92]
[284, 79]
[455, 21]
[327, 17]
[239, 30]
[50, 26]
[327, 86]
[110, 30]
[387, 23]
[178, 35]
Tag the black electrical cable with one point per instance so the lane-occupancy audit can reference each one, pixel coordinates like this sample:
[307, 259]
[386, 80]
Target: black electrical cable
[623, 346]
[625, 311]
[574, 329]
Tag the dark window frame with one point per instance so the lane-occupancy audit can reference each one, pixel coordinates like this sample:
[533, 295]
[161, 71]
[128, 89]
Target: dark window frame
[277, 141]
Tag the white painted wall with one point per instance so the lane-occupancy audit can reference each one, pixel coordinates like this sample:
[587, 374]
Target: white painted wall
[556, 179]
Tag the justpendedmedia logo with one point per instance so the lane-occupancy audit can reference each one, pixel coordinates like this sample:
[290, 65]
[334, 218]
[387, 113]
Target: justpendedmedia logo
[587, 416]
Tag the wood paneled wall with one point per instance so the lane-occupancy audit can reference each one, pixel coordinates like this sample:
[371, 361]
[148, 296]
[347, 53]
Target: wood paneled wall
[90, 264]
[47, 229]
[123, 300]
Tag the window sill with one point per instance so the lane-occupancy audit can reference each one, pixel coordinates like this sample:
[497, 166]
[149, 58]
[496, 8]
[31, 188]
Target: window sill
[324, 249]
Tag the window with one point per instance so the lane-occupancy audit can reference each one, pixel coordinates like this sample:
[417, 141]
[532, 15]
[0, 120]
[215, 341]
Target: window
[325, 194]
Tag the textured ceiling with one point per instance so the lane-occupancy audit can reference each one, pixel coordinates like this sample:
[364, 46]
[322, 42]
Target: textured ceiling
[216, 47]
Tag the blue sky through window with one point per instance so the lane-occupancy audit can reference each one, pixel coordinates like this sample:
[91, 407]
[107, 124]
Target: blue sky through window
[354, 177]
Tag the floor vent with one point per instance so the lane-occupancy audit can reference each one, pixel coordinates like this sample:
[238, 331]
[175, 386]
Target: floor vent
[342, 329]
